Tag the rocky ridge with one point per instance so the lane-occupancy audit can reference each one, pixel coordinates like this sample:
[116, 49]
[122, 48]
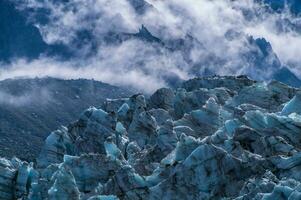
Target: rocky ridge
[212, 138]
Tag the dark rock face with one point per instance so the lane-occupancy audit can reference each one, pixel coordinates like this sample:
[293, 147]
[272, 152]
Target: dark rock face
[229, 144]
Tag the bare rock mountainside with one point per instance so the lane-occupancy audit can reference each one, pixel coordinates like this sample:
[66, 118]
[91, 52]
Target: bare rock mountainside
[212, 138]
[31, 108]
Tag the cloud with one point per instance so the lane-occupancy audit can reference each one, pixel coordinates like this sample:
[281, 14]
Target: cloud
[115, 64]
[201, 25]
[67, 18]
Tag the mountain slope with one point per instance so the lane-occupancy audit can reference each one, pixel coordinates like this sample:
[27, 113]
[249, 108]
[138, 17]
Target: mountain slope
[31, 108]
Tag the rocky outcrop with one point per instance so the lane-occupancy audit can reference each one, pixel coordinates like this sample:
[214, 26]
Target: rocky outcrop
[214, 138]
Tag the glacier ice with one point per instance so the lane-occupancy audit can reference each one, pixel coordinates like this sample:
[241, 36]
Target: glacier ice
[293, 106]
[212, 138]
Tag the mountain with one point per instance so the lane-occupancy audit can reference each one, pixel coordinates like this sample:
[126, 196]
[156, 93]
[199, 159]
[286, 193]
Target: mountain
[284, 75]
[31, 108]
[218, 137]
[190, 53]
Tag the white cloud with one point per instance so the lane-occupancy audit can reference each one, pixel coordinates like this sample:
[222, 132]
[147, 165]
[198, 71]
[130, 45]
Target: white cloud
[116, 65]
[137, 64]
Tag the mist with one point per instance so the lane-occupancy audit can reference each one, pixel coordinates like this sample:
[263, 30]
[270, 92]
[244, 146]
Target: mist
[33, 97]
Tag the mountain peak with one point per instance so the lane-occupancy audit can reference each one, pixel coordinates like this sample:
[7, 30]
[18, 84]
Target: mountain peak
[145, 34]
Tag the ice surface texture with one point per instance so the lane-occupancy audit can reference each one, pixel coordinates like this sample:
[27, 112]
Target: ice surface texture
[212, 138]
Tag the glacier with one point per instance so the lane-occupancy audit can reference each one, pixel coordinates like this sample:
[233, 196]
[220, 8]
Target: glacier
[216, 137]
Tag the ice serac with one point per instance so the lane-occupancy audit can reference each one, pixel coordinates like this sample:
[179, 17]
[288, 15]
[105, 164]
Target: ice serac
[57, 144]
[204, 173]
[212, 138]
[64, 186]
[293, 106]
[15, 177]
